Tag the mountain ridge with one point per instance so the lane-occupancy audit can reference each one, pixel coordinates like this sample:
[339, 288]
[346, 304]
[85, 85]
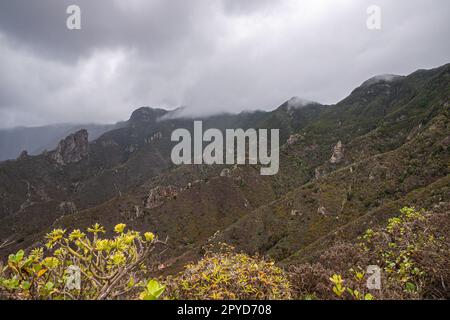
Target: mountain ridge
[391, 142]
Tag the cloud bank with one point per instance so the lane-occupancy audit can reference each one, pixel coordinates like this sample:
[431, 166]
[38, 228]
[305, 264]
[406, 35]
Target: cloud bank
[209, 56]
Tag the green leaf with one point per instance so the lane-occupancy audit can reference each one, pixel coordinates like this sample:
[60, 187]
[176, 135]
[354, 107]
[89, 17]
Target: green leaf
[410, 287]
[368, 296]
[49, 286]
[11, 283]
[153, 290]
[25, 285]
[16, 258]
[19, 255]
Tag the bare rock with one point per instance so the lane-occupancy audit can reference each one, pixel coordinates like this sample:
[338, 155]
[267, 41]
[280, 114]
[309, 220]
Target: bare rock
[445, 143]
[317, 174]
[296, 213]
[225, 173]
[109, 142]
[323, 211]
[72, 149]
[131, 148]
[67, 207]
[154, 137]
[137, 213]
[292, 139]
[23, 155]
[338, 153]
[157, 196]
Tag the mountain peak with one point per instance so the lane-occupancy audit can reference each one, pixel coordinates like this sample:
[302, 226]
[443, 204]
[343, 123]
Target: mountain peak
[296, 103]
[382, 78]
[72, 149]
[147, 114]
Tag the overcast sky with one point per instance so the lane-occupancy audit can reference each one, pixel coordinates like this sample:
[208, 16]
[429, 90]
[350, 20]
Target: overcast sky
[207, 55]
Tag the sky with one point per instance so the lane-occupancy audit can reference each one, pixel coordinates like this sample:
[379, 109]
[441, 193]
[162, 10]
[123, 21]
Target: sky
[209, 56]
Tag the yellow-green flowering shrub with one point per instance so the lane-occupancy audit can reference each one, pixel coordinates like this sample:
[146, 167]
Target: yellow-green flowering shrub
[229, 275]
[412, 251]
[340, 289]
[108, 268]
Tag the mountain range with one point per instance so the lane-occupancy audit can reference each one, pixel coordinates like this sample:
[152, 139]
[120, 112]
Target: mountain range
[343, 168]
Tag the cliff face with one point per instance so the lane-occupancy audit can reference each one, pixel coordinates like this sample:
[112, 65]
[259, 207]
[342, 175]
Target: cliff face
[72, 149]
[338, 153]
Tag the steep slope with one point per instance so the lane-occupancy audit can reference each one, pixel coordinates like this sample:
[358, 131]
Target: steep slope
[342, 167]
[37, 190]
[37, 139]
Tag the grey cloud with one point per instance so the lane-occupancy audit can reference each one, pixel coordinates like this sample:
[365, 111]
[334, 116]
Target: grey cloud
[155, 26]
[209, 56]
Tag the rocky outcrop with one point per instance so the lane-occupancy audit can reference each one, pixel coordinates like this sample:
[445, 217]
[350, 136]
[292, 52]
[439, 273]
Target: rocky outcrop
[23, 155]
[131, 148]
[293, 139]
[317, 174]
[157, 196]
[108, 143]
[338, 153]
[67, 207]
[145, 115]
[72, 149]
[154, 137]
[445, 143]
[225, 173]
[323, 211]
[296, 213]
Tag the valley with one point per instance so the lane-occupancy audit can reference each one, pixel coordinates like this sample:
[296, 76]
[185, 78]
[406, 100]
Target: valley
[344, 168]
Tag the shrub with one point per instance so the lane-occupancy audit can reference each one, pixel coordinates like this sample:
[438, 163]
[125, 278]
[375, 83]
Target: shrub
[108, 268]
[228, 275]
[412, 250]
[310, 282]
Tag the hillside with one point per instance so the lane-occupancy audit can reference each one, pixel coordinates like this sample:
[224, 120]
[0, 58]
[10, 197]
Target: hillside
[343, 168]
[35, 140]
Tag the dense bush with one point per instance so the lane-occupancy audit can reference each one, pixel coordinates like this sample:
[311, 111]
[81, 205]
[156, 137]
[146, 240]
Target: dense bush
[311, 282]
[225, 274]
[108, 268]
[412, 250]
[334, 276]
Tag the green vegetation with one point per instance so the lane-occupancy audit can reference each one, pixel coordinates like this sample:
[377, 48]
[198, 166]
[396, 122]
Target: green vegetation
[108, 268]
[411, 251]
[307, 219]
[231, 276]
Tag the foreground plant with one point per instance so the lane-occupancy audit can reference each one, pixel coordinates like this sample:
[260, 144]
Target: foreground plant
[80, 265]
[411, 251]
[228, 275]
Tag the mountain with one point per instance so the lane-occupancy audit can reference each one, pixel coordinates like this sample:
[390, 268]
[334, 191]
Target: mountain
[343, 168]
[35, 140]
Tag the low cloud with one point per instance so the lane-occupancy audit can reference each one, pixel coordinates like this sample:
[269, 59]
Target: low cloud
[209, 56]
